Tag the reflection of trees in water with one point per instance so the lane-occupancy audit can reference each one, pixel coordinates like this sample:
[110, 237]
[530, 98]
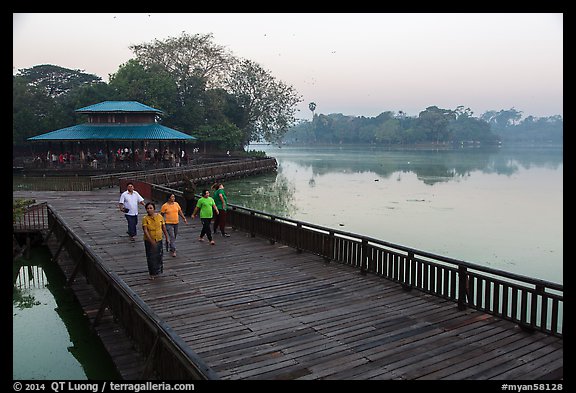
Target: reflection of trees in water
[431, 166]
[272, 193]
[279, 197]
[40, 273]
[529, 157]
[26, 277]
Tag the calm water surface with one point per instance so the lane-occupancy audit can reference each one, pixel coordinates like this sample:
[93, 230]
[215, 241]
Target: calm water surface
[51, 338]
[501, 208]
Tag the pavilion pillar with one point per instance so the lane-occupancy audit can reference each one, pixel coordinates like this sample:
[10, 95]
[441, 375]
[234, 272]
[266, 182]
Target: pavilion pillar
[143, 155]
[49, 156]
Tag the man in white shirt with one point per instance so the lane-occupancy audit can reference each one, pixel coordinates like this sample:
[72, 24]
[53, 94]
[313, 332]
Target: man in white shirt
[128, 205]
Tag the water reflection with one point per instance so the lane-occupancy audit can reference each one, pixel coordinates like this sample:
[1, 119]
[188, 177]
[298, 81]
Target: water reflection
[51, 334]
[430, 166]
[499, 207]
[271, 193]
[27, 278]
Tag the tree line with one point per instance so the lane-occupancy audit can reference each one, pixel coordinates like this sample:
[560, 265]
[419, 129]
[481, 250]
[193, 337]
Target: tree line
[206, 91]
[432, 126]
[202, 88]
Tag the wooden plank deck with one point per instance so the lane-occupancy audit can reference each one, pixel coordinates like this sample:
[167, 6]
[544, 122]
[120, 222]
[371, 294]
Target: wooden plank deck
[253, 310]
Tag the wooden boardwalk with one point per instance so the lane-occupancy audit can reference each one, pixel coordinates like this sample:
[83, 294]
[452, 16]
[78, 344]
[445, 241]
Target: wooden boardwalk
[253, 310]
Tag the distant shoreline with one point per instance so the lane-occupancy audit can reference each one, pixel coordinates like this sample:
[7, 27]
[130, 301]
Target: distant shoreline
[420, 146]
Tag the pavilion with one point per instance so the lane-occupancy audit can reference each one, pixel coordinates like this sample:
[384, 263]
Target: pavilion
[113, 123]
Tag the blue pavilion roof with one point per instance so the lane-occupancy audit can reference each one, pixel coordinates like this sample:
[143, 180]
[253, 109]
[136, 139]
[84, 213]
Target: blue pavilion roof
[118, 106]
[113, 131]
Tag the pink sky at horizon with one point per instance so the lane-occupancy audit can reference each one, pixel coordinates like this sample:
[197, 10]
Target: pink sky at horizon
[351, 63]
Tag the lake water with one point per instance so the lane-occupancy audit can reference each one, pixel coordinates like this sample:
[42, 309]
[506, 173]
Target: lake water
[500, 207]
[51, 338]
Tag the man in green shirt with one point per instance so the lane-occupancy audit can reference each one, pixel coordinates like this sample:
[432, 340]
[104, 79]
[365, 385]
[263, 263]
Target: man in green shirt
[205, 205]
[222, 204]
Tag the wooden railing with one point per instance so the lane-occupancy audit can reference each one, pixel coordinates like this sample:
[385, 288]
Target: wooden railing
[168, 356]
[34, 219]
[201, 173]
[531, 303]
[52, 183]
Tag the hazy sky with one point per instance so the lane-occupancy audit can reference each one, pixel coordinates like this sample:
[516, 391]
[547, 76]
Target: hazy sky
[352, 63]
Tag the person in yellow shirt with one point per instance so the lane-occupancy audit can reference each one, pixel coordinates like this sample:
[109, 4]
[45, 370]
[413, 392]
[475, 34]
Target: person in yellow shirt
[171, 211]
[154, 226]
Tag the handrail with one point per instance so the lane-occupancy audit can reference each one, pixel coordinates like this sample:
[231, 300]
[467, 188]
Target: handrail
[111, 180]
[304, 224]
[33, 219]
[137, 316]
[533, 304]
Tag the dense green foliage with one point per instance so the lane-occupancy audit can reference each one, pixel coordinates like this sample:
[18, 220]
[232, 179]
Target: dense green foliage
[432, 126]
[202, 89]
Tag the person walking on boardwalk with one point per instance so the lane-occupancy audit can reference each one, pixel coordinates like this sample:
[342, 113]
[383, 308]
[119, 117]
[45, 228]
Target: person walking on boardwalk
[221, 200]
[205, 205]
[128, 205]
[171, 211]
[154, 227]
[189, 195]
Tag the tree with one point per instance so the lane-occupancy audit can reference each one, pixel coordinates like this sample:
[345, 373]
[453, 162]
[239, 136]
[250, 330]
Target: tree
[223, 136]
[46, 96]
[31, 110]
[56, 81]
[312, 107]
[199, 69]
[467, 128]
[434, 122]
[502, 118]
[389, 132]
[152, 86]
[268, 105]
[192, 60]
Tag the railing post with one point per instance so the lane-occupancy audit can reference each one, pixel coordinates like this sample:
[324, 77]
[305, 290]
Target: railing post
[329, 247]
[233, 222]
[539, 291]
[273, 230]
[299, 237]
[364, 258]
[371, 263]
[252, 219]
[462, 287]
[408, 279]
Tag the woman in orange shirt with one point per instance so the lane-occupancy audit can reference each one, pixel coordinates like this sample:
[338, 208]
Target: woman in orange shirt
[171, 210]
